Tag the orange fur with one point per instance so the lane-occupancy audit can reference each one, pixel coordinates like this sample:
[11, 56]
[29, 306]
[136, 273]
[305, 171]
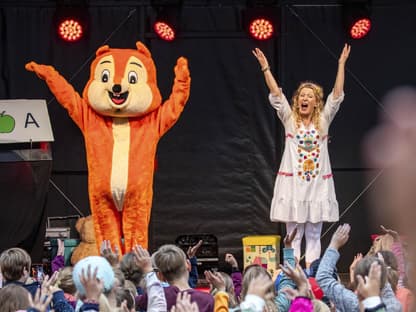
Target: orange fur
[147, 121]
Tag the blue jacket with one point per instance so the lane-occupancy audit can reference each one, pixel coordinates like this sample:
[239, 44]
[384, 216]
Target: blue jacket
[344, 299]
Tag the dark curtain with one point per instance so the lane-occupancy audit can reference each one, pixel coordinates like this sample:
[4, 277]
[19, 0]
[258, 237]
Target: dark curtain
[23, 189]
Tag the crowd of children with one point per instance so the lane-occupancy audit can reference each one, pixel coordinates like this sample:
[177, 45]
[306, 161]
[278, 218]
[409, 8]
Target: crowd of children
[165, 281]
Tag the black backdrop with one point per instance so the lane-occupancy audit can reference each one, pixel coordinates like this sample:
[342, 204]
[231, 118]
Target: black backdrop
[217, 165]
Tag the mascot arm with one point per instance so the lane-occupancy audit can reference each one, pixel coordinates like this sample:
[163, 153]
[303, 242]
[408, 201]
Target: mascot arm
[61, 89]
[170, 111]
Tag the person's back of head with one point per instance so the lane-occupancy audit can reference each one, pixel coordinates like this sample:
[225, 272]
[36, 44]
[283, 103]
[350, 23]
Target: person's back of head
[15, 264]
[123, 294]
[119, 277]
[363, 267]
[170, 260]
[392, 267]
[130, 269]
[14, 297]
[229, 289]
[250, 273]
[65, 282]
[320, 306]
[314, 266]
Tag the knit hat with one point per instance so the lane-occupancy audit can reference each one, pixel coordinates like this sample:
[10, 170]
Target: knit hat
[104, 273]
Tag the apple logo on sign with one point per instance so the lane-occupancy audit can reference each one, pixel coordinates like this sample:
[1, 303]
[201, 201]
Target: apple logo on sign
[6, 123]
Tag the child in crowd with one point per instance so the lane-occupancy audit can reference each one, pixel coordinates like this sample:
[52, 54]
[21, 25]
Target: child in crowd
[173, 268]
[343, 298]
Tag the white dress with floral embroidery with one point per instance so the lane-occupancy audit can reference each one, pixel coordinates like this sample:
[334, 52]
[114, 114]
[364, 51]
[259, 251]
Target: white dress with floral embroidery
[304, 189]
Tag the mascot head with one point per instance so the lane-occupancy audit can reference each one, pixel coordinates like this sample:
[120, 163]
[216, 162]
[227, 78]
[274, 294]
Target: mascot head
[123, 82]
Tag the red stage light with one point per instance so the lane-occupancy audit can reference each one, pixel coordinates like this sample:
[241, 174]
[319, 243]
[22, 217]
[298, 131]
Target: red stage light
[70, 30]
[360, 28]
[164, 31]
[261, 29]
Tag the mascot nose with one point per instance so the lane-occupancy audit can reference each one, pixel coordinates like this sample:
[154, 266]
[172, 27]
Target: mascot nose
[117, 88]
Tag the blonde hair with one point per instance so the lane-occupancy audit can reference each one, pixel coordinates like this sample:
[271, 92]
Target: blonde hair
[251, 272]
[65, 281]
[170, 260]
[319, 96]
[229, 289]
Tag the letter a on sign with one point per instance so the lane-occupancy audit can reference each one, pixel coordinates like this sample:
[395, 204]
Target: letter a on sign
[30, 120]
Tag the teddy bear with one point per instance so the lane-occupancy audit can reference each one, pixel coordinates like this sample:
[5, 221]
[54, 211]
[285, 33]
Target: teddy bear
[121, 117]
[87, 245]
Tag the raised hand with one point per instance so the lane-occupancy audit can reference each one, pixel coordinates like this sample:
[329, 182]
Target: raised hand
[298, 276]
[215, 279]
[230, 259]
[92, 285]
[344, 54]
[61, 248]
[289, 238]
[181, 69]
[357, 258]
[183, 303]
[41, 300]
[143, 260]
[192, 250]
[260, 286]
[369, 286]
[49, 282]
[106, 251]
[42, 71]
[261, 58]
[340, 237]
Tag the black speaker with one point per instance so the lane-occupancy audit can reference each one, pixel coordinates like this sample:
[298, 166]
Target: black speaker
[207, 254]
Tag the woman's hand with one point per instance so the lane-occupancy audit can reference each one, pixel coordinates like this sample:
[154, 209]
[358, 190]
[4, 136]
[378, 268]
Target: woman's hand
[344, 54]
[261, 58]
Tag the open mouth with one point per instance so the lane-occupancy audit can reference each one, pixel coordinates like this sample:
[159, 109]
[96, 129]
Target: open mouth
[304, 105]
[118, 98]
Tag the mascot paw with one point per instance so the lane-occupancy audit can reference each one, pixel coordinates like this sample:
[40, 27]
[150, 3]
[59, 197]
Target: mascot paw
[41, 70]
[182, 70]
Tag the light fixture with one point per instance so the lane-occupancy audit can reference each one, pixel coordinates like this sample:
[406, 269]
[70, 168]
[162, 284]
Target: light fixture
[166, 19]
[260, 23]
[357, 19]
[71, 20]
[261, 28]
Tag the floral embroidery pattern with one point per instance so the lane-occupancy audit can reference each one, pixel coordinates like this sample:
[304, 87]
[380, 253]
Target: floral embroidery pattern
[308, 154]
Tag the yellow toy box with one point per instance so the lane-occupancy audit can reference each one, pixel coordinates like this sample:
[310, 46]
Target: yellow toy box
[263, 250]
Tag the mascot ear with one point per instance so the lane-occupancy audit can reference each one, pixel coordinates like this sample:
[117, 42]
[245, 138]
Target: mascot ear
[102, 50]
[142, 49]
[79, 224]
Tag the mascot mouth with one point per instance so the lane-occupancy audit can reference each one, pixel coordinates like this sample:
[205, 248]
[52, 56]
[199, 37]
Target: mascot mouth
[118, 98]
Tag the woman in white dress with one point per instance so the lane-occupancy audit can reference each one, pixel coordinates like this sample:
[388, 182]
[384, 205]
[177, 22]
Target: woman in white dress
[304, 193]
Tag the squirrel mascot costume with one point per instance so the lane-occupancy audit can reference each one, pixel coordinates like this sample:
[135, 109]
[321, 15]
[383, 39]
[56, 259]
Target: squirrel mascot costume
[122, 119]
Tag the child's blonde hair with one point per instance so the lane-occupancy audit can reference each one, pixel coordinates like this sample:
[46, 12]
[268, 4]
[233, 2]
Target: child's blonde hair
[319, 96]
[170, 260]
[229, 289]
[251, 272]
[65, 281]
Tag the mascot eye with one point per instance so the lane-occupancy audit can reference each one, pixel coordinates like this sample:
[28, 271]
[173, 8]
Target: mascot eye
[132, 77]
[105, 75]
